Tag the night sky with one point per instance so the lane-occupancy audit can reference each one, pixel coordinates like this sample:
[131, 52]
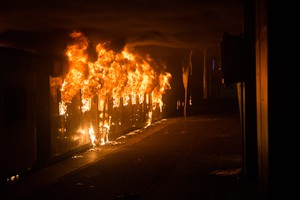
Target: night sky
[166, 29]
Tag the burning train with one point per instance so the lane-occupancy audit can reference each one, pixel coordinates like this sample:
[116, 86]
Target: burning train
[47, 115]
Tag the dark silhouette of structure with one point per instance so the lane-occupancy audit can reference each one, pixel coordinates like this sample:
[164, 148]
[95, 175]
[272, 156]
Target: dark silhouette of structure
[265, 102]
[256, 62]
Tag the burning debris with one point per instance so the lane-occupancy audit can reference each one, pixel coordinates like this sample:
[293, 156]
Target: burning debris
[118, 91]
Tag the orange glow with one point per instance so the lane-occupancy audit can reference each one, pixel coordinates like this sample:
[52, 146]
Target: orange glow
[92, 135]
[118, 77]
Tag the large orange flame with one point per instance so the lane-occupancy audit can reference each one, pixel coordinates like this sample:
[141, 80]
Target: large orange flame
[124, 75]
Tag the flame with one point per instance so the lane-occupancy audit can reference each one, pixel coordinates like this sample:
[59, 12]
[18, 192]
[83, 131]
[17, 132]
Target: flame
[149, 120]
[104, 128]
[122, 76]
[75, 78]
[92, 135]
